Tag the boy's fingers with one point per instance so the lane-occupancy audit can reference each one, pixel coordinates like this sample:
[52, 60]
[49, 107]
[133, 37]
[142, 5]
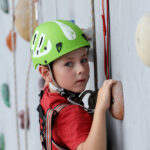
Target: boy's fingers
[109, 83]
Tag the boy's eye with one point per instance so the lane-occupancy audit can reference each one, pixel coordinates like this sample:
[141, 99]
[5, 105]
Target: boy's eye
[84, 60]
[68, 64]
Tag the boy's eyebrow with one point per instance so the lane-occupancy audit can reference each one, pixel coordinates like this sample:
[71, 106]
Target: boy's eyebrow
[84, 55]
[69, 57]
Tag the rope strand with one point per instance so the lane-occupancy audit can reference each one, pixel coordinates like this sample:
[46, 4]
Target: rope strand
[106, 35]
[27, 77]
[94, 46]
[15, 78]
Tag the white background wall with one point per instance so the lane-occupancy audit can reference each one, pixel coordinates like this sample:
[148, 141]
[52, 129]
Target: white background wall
[132, 133]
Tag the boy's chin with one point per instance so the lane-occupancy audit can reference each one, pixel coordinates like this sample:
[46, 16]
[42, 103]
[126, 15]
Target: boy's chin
[78, 90]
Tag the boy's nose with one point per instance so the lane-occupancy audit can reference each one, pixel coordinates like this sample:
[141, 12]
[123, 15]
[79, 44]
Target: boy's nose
[80, 69]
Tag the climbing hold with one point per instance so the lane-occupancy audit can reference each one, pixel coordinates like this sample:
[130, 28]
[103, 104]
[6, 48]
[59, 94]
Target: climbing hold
[4, 6]
[2, 142]
[117, 107]
[143, 39]
[21, 116]
[9, 40]
[5, 94]
[22, 19]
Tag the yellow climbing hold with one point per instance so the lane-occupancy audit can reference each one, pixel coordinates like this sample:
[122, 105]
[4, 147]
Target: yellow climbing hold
[143, 39]
[22, 19]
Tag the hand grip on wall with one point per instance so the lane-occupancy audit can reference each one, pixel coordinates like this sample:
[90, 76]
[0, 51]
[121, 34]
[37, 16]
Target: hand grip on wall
[117, 107]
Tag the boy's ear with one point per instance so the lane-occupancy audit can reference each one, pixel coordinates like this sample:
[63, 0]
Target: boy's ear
[45, 72]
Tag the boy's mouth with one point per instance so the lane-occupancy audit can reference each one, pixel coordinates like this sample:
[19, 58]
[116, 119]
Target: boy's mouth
[80, 81]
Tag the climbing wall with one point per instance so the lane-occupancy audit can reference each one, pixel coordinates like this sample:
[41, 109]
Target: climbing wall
[133, 132]
[130, 134]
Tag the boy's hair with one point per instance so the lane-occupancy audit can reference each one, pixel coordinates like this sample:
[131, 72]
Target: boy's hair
[53, 39]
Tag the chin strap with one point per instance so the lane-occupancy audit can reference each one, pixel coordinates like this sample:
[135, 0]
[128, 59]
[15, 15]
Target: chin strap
[77, 98]
[58, 89]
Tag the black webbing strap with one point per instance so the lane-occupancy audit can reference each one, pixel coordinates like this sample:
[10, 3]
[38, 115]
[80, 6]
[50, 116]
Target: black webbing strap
[41, 112]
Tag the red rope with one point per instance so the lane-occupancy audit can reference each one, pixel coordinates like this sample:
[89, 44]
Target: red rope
[106, 40]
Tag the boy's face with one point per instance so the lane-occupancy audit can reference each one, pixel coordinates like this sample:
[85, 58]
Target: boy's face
[71, 71]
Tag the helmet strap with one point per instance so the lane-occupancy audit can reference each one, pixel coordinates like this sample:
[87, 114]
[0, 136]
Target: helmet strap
[63, 92]
[51, 73]
[54, 87]
[73, 98]
[58, 88]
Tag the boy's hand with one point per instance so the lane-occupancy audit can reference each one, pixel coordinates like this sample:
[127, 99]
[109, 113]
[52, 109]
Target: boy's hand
[104, 95]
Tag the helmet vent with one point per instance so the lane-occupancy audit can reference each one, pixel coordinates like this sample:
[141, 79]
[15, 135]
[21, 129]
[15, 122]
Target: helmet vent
[37, 52]
[34, 38]
[45, 48]
[41, 41]
[59, 46]
[45, 61]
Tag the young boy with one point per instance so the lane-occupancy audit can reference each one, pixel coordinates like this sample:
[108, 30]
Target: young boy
[60, 49]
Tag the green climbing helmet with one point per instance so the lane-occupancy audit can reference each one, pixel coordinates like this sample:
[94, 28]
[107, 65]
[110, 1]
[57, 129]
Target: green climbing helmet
[53, 39]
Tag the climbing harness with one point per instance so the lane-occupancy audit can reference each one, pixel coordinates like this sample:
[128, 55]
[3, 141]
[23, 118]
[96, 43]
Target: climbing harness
[50, 116]
[77, 98]
[46, 124]
[47, 121]
[106, 35]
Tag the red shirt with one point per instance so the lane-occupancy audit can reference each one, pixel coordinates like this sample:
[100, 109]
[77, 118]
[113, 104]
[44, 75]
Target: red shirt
[72, 125]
